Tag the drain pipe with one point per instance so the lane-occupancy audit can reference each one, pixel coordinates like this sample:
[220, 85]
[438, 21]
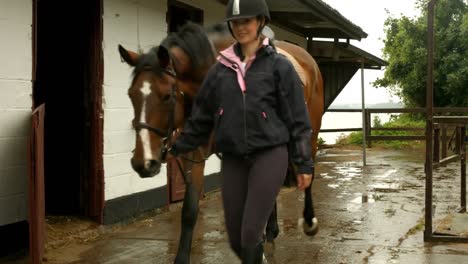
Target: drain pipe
[364, 125]
[429, 120]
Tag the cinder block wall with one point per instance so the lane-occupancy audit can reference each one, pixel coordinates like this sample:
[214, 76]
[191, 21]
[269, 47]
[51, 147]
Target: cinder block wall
[15, 107]
[138, 25]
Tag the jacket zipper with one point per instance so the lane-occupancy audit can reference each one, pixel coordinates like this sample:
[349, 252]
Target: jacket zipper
[245, 121]
[236, 68]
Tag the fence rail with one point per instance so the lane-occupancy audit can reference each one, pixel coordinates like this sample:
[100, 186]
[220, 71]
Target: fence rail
[446, 121]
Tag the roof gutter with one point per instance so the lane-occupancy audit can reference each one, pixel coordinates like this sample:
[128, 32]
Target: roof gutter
[353, 30]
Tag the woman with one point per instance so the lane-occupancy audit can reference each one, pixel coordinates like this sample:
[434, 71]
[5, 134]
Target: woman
[253, 100]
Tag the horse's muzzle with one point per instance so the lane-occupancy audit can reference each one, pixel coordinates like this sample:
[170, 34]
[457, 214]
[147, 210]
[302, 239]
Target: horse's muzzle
[147, 168]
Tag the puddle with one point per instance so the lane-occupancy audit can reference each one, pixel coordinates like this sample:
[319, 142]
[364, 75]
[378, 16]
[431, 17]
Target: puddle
[385, 187]
[341, 155]
[356, 203]
[387, 174]
[328, 162]
[326, 176]
[363, 199]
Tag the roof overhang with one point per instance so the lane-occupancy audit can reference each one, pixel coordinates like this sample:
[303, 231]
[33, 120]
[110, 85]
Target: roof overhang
[341, 52]
[312, 18]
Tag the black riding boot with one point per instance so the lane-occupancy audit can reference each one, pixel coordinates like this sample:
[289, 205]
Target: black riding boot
[253, 255]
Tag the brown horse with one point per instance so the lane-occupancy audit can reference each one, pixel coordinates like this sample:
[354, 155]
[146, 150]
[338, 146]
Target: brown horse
[165, 82]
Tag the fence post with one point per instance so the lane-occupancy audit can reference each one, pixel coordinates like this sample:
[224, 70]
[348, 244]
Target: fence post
[463, 166]
[457, 140]
[443, 126]
[436, 157]
[368, 128]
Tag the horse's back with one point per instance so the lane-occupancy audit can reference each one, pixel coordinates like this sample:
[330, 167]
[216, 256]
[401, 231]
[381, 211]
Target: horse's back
[313, 85]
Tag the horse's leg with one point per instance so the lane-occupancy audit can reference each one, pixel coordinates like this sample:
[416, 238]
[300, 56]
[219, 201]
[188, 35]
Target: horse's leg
[193, 189]
[310, 224]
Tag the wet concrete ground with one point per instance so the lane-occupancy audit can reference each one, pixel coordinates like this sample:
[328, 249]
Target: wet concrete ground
[371, 214]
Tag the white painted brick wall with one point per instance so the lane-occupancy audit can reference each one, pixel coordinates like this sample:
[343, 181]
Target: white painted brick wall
[15, 107]
[122, 19]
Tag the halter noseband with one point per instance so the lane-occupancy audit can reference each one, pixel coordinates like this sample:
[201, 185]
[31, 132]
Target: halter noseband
[165, 135]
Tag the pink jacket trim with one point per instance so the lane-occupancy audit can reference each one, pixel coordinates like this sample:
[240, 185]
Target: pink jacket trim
[229, 58]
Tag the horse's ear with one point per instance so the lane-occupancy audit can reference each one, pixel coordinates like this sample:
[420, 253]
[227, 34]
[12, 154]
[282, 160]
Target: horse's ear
[163, 57]
[130, 57]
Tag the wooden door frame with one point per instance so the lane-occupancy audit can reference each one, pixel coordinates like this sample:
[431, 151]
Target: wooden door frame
[95, 195]
[175, 182]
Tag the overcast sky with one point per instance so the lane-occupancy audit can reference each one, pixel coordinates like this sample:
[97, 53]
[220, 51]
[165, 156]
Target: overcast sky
[370, 16]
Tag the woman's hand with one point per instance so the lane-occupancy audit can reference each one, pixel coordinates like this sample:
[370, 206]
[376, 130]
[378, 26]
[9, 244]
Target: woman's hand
[303, 181]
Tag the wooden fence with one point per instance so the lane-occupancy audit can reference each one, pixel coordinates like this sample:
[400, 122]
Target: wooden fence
[445, 129]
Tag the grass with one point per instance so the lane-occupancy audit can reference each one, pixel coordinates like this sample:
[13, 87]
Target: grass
[403, 120]
[417, 228]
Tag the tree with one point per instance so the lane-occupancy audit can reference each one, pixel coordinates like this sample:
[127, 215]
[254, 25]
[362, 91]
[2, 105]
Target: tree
[405, 50]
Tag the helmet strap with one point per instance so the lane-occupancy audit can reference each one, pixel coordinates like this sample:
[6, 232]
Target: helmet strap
[259, 31]
[262, 25]
[230, 30]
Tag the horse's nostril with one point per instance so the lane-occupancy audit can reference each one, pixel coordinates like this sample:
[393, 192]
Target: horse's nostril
[152, 165]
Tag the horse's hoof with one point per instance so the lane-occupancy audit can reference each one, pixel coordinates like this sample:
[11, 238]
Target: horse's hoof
[310, 230]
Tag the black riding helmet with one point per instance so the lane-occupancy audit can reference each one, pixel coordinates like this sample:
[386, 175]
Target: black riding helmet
[238, 9]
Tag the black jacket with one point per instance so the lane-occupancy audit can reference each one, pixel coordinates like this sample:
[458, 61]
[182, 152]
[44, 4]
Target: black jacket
[270, 112]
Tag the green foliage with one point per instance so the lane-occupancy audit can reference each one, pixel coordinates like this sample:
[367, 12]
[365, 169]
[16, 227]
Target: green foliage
[342, 140]
[355, 138]
[320, 141]
[396, 121]
[405, 50]
[376, 121]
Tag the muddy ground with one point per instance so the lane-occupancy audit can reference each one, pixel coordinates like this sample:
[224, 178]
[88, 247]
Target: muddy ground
[371, 214]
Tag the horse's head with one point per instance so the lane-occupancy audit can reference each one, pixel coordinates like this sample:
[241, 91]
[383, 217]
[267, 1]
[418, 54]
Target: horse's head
[158, 107]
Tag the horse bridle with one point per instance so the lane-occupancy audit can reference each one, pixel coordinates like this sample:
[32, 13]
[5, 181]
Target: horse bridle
[166, 136]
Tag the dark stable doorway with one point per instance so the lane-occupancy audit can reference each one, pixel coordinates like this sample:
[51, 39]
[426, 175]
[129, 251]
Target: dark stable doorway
[65, 80]
[179, 13]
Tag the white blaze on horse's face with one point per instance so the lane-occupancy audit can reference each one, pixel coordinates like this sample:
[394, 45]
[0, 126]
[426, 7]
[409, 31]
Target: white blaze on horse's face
[144, 133]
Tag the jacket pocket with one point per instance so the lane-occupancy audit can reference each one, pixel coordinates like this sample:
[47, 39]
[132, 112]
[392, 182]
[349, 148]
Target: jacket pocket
[269, 124]
[217, 124]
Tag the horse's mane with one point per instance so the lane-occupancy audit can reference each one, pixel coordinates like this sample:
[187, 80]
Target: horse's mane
[148, 60]
[193, 40]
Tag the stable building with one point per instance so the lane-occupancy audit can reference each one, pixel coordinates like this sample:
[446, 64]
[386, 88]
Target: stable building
[64, 94]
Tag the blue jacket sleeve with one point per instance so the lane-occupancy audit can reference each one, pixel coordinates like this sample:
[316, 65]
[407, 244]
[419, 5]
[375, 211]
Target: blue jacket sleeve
[294, 113]
[198, 126]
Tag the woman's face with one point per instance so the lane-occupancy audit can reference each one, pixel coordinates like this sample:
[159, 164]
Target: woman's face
[245, 29]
